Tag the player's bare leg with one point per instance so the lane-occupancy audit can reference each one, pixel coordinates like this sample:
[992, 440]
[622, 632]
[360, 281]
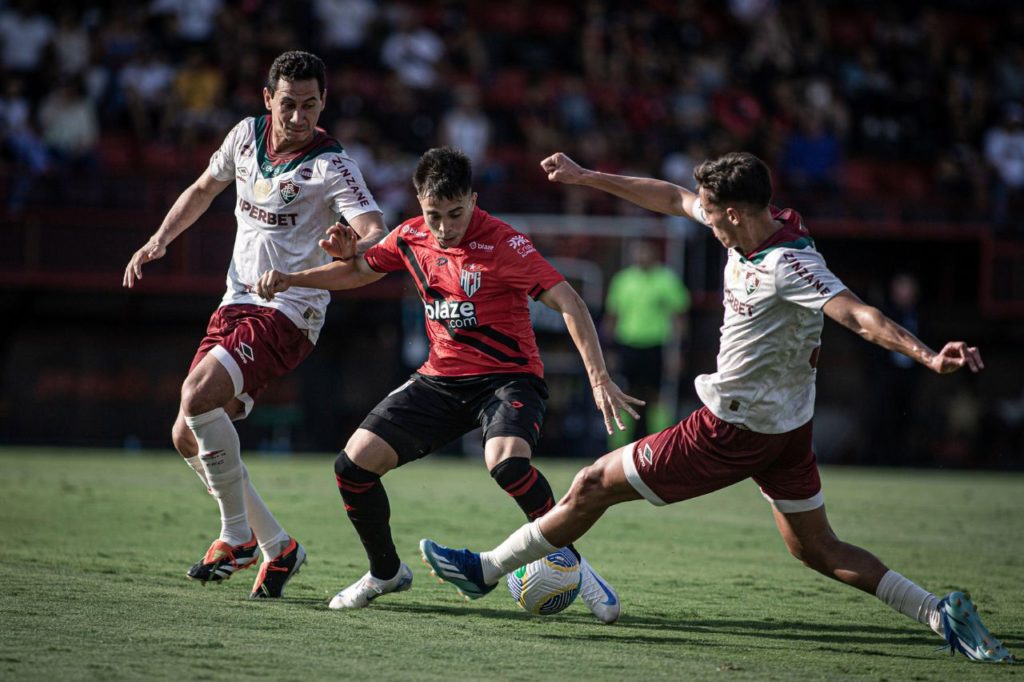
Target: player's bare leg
[358, 470]
[810, 538]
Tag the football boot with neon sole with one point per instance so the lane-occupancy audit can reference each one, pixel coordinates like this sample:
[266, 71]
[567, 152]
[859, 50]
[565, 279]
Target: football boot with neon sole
[598, 595]
[276, 573]
[359, 594]
[460, 567]
[222, 560]
[964, 631]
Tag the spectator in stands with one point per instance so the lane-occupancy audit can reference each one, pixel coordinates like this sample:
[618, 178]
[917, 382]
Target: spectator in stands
[71, 44]
[1004, 151]
[192, 22]
[20, 143]
[345, 28]
[413, 51]
[25, 33]
[466, 127]
[70, 127]
[197, 98]
[144, 82]
[811, 156]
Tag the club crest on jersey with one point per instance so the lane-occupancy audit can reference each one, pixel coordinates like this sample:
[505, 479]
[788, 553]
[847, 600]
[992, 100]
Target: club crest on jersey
[752, 282]
[471, 278]
[289, 190]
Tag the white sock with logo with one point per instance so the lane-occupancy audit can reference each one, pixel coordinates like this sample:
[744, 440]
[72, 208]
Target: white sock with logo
[269, 532]
[197, 466]
[523, 546]
[910, 599]
[219, 453]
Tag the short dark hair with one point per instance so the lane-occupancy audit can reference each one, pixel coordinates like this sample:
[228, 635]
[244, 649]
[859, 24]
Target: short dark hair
[443, 173]
[737, 177]
[297, 65]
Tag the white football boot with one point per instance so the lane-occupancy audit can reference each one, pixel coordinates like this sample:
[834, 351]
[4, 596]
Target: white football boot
[597, 594]
[359, 594]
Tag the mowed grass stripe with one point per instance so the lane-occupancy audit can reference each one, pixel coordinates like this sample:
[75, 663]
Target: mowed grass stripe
[96, 546]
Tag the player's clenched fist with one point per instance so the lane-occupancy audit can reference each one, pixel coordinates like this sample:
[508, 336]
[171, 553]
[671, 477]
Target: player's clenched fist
[560, 168]
[272, 282]
[340, 242]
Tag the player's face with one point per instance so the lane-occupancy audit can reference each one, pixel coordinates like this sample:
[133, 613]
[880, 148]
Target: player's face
[448, 219]
[295, 107]
[722, 220]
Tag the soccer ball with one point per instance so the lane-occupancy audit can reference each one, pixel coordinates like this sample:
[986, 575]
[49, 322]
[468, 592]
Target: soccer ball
[547, 585]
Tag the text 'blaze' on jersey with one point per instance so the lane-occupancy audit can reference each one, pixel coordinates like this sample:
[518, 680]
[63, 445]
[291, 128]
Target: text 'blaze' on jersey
[284, 205]
[474, 294]
[771, 334]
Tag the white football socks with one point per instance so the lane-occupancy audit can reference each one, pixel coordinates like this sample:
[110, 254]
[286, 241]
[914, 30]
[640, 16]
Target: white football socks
[910, 600]
[269, 532]
[197, 466]
[523, 546]
[219, 453]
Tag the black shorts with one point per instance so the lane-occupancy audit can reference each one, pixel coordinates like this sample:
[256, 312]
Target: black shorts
[426, 412]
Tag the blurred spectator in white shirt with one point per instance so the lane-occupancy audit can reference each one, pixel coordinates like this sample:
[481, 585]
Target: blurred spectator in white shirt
[465, 126]
[1004, 151]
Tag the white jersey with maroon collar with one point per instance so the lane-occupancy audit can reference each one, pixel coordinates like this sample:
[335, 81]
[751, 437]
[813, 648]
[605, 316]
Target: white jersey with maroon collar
[771, 333]
[284, 205]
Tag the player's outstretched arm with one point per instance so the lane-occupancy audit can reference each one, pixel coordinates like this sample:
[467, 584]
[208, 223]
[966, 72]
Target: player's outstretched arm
[348, 272]
[868, 321]
[186, 210]
[607, 395]
[654, 195]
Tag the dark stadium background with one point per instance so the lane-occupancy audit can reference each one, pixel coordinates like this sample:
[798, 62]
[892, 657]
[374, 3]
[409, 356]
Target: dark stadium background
[878, 119]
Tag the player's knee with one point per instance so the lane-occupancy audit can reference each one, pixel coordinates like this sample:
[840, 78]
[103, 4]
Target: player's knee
[184, 441]
[199, 395]
[347, 471]
[587, 488]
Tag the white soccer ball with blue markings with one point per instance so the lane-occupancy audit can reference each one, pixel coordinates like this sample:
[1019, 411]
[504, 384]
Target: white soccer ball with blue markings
[547, 585]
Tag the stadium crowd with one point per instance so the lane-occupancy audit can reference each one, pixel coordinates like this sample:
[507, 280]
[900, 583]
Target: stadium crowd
[851, 103]
[910, 111]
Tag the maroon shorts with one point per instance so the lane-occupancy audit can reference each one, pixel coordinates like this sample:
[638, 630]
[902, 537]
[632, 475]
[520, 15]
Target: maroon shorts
[702, 454]
[255, 344]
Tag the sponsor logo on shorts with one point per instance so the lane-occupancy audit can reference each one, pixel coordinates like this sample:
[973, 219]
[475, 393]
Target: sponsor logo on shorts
[244, 351]
[452, 314]
[647, 455]
[289, 190]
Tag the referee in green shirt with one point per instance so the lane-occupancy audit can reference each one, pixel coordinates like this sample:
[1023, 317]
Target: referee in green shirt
[645, 313]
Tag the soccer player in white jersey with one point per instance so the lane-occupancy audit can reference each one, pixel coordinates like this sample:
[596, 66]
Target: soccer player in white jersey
[293, 181]
[758, 406]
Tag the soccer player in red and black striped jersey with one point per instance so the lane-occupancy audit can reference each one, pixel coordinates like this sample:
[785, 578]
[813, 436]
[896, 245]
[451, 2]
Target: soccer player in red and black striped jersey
[474, 274]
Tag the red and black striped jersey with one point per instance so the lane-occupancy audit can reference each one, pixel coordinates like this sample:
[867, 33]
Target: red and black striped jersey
[474, 294]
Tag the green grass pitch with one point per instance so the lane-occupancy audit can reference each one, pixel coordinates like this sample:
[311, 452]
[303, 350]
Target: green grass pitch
[96, 544]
